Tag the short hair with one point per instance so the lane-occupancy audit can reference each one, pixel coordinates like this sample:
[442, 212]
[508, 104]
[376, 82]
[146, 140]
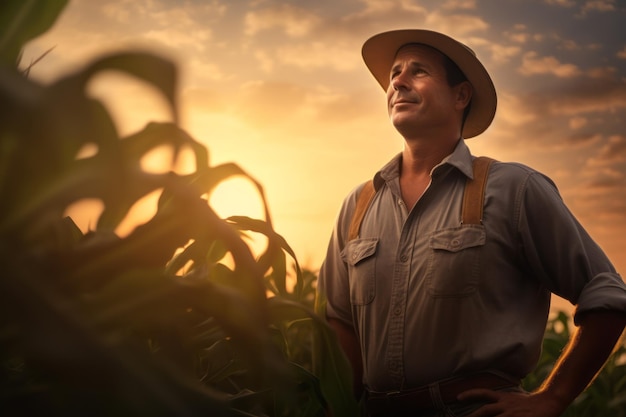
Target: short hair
[454, 75]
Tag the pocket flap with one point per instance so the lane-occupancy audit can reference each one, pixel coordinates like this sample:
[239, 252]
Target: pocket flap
[457, 239]
[359, 249]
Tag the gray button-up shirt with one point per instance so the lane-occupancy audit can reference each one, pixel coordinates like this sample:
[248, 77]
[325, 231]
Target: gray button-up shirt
[430, 297]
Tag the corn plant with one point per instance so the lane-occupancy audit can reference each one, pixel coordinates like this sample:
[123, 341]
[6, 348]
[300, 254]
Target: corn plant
[156, 322]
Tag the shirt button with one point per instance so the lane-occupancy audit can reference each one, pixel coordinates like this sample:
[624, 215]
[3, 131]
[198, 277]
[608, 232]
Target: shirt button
[455, 243]
[397, 311]
[404, 258]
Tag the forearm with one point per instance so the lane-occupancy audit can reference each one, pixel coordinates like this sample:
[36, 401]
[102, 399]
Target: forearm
[584, 356]
[351, 347]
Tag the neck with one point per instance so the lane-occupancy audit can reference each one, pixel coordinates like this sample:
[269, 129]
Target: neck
[420, 157]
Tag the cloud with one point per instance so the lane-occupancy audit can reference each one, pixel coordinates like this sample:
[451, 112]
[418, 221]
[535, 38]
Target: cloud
[337, 41]
[602, 73]
[513, 111]
[196, 39]
[569, 45]
[571, 113]
[293, 21]
[578, 122]
[378, 7]
[532, 64]
[317, 54]
[563, 3]
[153, 23]
[600, 200]
[456, 25]
[286, 107]
[598, 6]
[593, 96]
[622, 54]
[521, 35]
[265, 60]
[203, 70]
[502, 53]
[605, 99]
[603, 194]
[613, 152]
[581, 140]
[518, 37]
[380, 15]
[459, 4]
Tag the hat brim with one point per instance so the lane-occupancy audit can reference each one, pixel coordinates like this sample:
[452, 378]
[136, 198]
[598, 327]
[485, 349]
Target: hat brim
[380, 50]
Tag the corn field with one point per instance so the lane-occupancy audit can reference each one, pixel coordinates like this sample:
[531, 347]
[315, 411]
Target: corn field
[155, 323]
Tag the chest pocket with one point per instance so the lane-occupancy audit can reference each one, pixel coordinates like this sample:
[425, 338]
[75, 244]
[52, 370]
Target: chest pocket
[359, 255]
[455, 263]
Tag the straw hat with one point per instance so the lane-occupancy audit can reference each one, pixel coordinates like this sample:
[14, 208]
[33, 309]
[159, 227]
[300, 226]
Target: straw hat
[379, 53]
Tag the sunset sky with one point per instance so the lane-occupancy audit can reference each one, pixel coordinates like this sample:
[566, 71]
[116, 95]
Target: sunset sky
[279, 87]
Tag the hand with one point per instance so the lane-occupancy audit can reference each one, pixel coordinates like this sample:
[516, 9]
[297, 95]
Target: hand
[512, 404]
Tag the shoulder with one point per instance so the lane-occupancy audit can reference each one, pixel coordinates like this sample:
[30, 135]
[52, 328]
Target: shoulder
[350, 201]
[519, 175]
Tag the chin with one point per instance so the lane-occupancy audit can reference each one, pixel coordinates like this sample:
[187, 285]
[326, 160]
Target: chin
[403, 121]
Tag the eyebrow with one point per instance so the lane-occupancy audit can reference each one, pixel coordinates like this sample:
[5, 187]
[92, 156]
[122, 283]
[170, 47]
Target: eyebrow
[412, 64]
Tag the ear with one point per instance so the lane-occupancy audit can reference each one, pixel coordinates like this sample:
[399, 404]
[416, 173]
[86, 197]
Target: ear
[464, 92]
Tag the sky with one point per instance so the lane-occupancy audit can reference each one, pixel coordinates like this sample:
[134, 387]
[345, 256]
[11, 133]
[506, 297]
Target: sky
[280, 88]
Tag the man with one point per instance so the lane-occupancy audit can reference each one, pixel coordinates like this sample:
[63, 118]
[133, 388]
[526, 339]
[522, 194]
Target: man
[444, 318]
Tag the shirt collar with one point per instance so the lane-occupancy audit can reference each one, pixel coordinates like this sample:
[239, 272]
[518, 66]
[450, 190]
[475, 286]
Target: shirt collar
[460, 158]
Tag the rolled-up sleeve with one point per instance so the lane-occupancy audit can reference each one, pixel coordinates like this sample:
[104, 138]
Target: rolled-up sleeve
[561, 254]
[604, 292]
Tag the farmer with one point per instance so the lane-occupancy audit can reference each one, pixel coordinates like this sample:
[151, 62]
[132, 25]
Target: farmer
[441, 308]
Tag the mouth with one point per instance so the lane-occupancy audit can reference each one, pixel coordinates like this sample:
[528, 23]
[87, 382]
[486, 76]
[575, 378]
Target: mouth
[403, 101]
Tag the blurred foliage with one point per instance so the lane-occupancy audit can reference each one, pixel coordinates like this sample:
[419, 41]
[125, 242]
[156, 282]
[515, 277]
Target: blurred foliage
[22, 21]
[179, 317]
[605, 396]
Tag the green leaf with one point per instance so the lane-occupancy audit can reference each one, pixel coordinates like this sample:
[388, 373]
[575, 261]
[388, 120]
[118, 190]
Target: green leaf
[155, 134]
[330, 363]
[155, 70]
[273, 257]
[22, 21]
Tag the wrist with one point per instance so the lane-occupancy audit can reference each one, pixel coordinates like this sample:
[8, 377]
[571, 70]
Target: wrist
[556, 401]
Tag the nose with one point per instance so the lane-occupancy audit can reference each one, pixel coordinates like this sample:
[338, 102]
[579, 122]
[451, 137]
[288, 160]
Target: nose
[399, 81]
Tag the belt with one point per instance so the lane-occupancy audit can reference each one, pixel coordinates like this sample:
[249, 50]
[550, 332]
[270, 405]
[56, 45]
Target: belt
[421, 399]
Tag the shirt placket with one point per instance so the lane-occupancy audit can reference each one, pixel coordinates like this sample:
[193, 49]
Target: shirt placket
[398, 301]
[399, 289]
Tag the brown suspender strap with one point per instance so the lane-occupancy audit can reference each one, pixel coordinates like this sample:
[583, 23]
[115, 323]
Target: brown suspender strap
[473, 198]
[362, 203]
[474, 194]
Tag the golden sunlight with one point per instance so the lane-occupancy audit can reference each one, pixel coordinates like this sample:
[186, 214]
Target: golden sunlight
[237, 197]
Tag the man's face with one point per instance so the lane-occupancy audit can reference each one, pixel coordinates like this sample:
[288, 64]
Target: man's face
[419, 98]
